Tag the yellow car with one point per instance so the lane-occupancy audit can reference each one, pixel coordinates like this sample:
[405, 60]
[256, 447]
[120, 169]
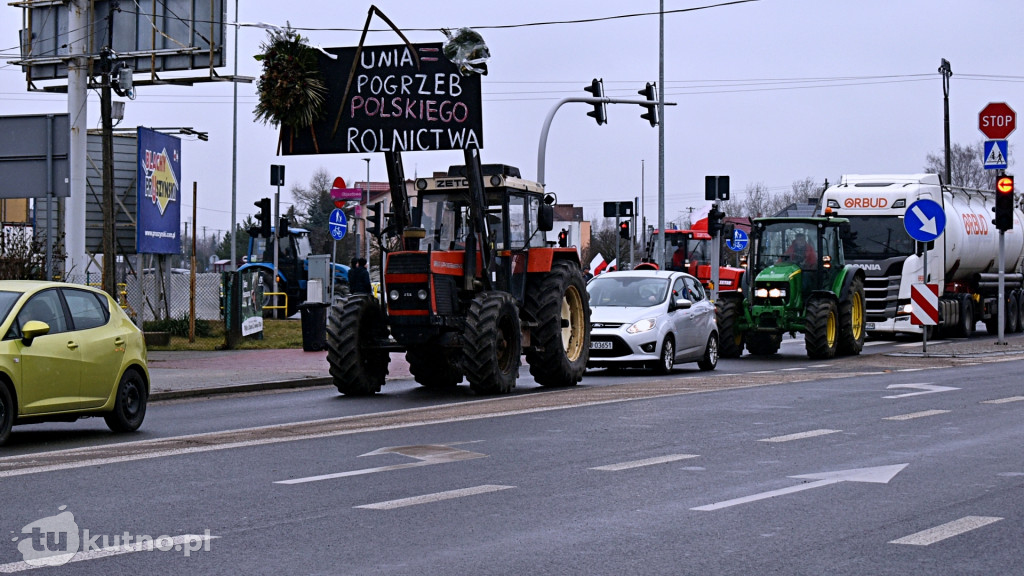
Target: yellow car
[68, 351]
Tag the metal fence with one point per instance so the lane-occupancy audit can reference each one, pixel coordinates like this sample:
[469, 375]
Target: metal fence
[141, 298]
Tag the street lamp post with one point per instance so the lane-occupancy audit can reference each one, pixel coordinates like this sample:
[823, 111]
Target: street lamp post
[946, 72]
[366, 208]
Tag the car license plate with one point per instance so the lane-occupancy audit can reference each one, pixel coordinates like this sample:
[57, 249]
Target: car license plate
[600, 345]
[869, 325]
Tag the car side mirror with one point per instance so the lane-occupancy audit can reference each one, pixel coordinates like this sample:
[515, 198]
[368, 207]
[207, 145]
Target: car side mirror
[32, 330]
[683, 304]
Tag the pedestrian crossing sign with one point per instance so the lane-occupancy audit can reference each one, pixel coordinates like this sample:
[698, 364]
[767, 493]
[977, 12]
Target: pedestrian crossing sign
[995, 155]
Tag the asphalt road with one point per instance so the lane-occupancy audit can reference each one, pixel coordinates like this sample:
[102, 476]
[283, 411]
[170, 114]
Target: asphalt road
[743, 471]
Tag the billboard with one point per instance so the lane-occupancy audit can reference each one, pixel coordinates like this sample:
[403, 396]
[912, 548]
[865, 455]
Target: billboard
[34, 156]
[151, 37]
[159, 189]
[401, 99]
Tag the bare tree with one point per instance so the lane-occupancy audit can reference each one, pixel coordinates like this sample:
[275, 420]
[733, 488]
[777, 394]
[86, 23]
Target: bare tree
[967, 166]
[757, 200]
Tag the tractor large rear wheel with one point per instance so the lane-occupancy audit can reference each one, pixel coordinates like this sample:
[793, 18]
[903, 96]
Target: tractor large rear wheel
[432, 367]
[731, 339]
[355, 333]
[560, 344]
[492, 346]
[821, 327]
[851, 319]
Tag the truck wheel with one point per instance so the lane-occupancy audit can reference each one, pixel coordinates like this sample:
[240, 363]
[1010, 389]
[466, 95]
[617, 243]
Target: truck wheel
[851, 319]
[491, 346]
[432, 368]
[728, 311]
[1012, 321]
[966, 326]
[821, 328]
[354, 333]
[761, 344]
[560, 344]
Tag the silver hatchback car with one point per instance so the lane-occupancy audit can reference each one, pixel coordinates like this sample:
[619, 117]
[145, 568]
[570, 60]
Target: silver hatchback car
[651, 319]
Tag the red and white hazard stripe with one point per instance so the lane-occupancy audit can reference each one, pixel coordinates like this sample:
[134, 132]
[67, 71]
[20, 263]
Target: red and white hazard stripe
[924, 300]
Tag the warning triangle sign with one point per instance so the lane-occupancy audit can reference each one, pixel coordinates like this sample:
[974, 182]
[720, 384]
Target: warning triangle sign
[995, 156]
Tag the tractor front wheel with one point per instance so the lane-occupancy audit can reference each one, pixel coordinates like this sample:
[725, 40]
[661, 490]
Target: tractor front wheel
[729, 311]
[492, 346]
[851, 319]
[821, 327]
[355, 332]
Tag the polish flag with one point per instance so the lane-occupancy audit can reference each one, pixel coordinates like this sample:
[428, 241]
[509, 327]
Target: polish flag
[699, 219]
[597, 265]
[611, 265]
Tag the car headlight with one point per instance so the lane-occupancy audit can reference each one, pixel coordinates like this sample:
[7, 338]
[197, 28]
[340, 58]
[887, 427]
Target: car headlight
[642, 326]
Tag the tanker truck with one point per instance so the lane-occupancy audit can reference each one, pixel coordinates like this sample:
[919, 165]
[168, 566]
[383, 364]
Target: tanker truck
[963, 260]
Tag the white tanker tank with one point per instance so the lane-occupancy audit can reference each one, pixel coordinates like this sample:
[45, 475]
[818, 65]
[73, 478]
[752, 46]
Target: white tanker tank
[963, 261]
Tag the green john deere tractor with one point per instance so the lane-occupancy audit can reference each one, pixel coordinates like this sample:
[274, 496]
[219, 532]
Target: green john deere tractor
[801, 284]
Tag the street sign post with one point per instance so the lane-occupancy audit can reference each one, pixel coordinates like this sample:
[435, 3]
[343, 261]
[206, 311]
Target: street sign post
[924, 300]
[924, 221]
[997, 120]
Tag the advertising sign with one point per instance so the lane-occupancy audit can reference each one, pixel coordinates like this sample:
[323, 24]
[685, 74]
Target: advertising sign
[159, 187]
[400, 99]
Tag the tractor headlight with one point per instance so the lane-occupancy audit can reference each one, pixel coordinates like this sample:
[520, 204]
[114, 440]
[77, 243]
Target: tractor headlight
[642, 326]
[421, 294]
[761, 293]
[777, 293]
[393, 295]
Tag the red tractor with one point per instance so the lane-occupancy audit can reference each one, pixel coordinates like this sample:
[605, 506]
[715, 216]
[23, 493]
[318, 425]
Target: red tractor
[470, 284]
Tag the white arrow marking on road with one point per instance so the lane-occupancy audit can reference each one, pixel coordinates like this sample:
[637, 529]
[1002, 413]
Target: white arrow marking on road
[435, 497]
[876, 475]
[927, 224]
[426, 455]
[927, 389]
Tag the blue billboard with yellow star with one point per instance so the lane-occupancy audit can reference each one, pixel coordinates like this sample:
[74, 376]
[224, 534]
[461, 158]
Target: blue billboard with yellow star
[159, 191]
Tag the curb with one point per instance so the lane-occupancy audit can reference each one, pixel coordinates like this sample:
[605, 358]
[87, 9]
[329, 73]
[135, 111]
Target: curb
[239, 389]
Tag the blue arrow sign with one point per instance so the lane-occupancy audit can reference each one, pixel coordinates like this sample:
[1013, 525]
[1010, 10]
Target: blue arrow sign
[338, 224]
[996, 155]
[924, 220]
[738, 241]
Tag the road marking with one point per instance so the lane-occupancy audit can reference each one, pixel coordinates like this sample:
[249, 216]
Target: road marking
[645, 462]
[876, 343]
[426, 455]
[913, 415]
[909, 344]
[876, 475]
[800, 435]
[793, 369]
[925, 389]
[762, 372]
[947, 530]
[1004, 400]
[179, 543]
[436, 497]
[820, 366]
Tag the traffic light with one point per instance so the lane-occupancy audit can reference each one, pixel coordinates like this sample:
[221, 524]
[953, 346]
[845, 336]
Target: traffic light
[373, 216]
[600, 112]
[1004, 203]
[715, 223]
[624, 229]
[282, 227]
[262, 227]
[650, 92]
[563, 238]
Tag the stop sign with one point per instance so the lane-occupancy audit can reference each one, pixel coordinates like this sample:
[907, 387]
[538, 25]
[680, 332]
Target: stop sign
[997, 120]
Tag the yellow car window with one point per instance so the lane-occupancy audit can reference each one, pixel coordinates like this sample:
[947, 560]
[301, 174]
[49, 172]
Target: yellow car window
[86, 309]
[44, 307]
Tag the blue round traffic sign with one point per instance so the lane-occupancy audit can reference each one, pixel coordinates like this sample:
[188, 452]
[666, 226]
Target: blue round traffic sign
[925, 220]
[338, 224]
[738, 242]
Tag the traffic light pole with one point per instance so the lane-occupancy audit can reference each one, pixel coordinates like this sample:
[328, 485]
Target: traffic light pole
[276, 237]
[546, 128]
[1002, 287]
[618, 241]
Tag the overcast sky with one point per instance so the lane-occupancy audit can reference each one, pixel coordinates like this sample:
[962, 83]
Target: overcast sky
[770, 92]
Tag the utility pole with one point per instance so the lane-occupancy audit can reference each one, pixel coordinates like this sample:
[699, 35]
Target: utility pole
[946, 72]
[106, 63]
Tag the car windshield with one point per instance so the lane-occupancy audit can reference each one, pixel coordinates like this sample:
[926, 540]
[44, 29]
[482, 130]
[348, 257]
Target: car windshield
[627, 291]
[7, 300]
[877, 237]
